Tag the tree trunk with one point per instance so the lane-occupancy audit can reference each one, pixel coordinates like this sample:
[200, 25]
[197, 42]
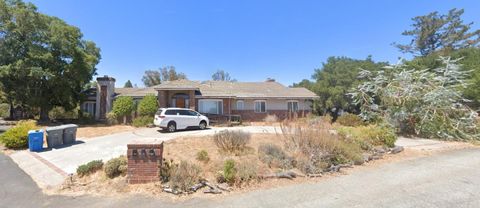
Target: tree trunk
[124, 119]
[12, 111]
[44, 114]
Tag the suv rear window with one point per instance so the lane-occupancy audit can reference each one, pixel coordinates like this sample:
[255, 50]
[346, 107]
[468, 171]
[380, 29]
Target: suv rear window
[159, 111]
[171, 112]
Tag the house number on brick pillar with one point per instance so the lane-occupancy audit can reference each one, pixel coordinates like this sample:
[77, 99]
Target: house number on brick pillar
[144, 161]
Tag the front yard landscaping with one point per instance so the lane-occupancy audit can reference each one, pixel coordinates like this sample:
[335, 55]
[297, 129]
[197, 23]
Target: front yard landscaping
[236, 161]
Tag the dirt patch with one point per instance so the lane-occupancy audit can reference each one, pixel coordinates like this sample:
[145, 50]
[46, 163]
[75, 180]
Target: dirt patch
[87, 132]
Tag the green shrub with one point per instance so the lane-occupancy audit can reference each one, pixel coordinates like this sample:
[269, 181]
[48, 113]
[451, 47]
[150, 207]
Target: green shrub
[112, 119]
[123, 106]
[202, 155]
[231, 141]
[4, 110]
[89, 168]
[274, 156]
[116, 166]
[60, 113]
[229, 171]
[17, 136]
[348, 119]
[246, 171]
[371, 135]
[184, 176]
[142, 121]
[148, 106]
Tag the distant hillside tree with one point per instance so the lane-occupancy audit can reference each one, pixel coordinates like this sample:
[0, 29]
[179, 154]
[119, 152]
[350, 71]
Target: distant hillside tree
[155, 77]
[436, 32]
[221, 75]
[128, 84]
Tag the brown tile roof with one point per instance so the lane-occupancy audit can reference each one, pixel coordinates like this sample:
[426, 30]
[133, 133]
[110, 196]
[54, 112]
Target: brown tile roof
[135, 92]
[238, 89]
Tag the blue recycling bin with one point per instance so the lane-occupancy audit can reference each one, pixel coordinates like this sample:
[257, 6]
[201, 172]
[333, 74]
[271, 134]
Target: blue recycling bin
[35, 140]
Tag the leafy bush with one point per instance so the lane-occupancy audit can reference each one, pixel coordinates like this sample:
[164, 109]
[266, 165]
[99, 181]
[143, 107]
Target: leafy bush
[142, 121]
[60, 113]
[184, 176]
[246, 171]
[89, 168]
[348, 119]
[17, 136]
[371, 135]
[166, 169]
[274, 156]
[315, 147]
[112, 119]
[4, 110]
[123, 106]
[116, 166]
[229, 171]
[231, 141]
[148, 106]
[202, 155]
[424, 102]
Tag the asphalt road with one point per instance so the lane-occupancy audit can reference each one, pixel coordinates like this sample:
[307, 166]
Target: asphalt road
[450, 179]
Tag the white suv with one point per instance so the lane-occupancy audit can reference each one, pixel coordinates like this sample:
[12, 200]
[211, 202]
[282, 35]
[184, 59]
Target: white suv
[172, 119]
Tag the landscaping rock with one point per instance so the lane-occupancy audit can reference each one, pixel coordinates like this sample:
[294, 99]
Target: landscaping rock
[396, 149]
[367, 157]
[380, 150]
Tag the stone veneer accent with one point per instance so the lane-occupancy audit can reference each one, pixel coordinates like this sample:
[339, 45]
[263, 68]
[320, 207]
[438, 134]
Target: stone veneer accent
[144, 161]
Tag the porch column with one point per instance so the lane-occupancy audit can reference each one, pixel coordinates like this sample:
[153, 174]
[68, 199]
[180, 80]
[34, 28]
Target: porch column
[191, 95]
[162, 99]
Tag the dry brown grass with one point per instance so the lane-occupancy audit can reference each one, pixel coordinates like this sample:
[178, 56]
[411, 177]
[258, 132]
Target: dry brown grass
[87, 132]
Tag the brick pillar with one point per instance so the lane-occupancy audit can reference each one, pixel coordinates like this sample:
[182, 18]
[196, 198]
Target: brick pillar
[191, 94]
[144, 161]
[162, 99]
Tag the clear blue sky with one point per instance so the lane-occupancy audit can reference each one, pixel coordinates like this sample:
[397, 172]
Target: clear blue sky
[251, 39]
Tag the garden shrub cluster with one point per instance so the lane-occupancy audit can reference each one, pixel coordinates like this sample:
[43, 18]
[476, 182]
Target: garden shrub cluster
[116, 167]
[232, 141]
[122, 107]
[370, 136]
[60, 113]
[237, 173]
[348, 119]
[17, 136]
[314, 147]
[89, 168]
[202, 155]
[274, 156]
[184, 175]
[4, 110]
[148, 106]
[424, 102]
[142, 121]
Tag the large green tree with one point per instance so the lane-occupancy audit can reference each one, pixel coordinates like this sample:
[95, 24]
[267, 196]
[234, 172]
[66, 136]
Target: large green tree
[44, 62]
[334, 80]
[436, 32]
[128, 84]
[469, 61]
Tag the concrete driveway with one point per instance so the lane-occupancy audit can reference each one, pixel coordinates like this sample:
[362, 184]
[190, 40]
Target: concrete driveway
[50, 167]
[449, 179]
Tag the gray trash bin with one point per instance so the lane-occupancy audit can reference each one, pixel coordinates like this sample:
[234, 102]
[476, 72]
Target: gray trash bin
[69, 133]
[54, 136]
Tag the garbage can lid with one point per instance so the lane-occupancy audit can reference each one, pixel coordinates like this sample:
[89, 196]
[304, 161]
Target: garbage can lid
[35, 131]
[70, 126]
[54, 128]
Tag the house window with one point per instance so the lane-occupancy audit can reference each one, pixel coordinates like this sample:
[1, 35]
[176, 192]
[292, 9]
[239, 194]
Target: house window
[240, 105]
[260, 106]
[292, 106]
[210, 106]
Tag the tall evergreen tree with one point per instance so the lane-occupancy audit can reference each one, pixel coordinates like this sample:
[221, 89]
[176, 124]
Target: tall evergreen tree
[128, 84]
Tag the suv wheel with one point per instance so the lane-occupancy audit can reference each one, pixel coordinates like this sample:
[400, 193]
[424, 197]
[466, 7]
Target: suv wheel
[171, 127]
[203, 125]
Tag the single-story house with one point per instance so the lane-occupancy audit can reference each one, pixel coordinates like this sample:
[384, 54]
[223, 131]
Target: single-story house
[249, 100]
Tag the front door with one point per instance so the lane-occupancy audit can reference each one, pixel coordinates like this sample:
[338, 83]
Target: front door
[180, 102]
